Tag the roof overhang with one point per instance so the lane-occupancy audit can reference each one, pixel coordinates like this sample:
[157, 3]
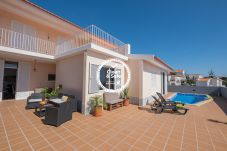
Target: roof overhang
[151, 59]
[23, 54]
[92, 47]
[39, 15]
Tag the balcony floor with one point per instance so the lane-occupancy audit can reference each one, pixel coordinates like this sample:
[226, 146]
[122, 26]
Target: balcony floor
[203, 128]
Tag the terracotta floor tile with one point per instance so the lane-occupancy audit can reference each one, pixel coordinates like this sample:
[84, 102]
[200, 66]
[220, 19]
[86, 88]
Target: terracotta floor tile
[104, 147]
[124, 128]
[86, 147]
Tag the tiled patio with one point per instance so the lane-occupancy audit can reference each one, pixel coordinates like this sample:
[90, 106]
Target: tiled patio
[204, 128]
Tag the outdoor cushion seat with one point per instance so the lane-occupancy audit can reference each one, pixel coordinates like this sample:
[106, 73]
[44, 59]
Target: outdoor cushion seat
[34, 100]
[113, 100]
[57, 100]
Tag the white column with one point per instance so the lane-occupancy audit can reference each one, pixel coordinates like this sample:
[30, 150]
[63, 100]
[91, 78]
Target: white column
[23, 81]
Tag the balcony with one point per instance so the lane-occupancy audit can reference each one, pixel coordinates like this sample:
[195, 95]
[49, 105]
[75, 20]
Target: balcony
[91, 34]
[95, 35]
[12, 39]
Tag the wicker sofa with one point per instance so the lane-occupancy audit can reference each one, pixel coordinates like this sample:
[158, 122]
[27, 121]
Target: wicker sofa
[33, 100]
[113, 100]
[59, 113]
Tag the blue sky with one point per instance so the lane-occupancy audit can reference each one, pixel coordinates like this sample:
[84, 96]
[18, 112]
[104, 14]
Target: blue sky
[187, 34]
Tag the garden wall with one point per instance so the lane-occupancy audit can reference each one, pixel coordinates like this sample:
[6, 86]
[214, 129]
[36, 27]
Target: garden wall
[224, 92]
[215, 91]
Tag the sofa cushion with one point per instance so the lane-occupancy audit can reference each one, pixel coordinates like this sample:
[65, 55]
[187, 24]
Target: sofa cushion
[64, 98]
[114, 101]
[110, 96]
[36, 95]
[34, 100]
[58, 101]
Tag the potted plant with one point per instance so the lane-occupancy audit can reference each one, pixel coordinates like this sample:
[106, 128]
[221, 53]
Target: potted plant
[125, 96]
[97, 105]
[48, 93]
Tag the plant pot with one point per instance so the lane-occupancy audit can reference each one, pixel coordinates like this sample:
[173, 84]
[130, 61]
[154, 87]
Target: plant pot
[126, 102]
[98, 111]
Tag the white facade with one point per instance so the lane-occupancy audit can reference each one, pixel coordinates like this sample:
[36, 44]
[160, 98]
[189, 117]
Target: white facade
[203, 83]
[176, 80]
[215, 82]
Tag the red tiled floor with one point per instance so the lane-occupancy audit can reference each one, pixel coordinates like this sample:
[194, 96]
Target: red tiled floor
[127, 128]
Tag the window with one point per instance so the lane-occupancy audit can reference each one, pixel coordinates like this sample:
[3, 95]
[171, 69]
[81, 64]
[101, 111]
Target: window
[109, 77]
[93, 85]
[51, 77]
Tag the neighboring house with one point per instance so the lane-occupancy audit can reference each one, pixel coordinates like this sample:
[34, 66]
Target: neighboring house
[180, 72]
[194, 77]
[40, 49]
[175, 80]
[203, 82]
[176, 77]
[216, 82]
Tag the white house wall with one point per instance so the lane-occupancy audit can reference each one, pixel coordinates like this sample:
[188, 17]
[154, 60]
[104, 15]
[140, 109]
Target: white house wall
[146, 80]
[152, 82]
[97, 59]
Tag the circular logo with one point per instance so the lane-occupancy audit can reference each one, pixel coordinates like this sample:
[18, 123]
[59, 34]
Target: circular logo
[112, 75]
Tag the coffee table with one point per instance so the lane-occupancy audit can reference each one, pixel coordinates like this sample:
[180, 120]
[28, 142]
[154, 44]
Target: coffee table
[40, 109]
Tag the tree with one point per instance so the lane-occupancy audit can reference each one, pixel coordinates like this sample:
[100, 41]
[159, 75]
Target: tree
[189, 81]
[211, 74]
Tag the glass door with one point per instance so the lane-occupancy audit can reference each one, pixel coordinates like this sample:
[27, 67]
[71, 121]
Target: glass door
[9, 80]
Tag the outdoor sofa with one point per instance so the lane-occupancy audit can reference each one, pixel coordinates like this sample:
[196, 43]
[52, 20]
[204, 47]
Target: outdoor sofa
[59, 113]
[113, 100]
[71, 98]
[33, 100]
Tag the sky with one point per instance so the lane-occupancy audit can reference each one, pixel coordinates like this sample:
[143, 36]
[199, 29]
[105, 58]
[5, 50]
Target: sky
[187, 34]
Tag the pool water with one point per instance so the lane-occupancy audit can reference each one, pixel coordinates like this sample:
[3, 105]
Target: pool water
[188, 98]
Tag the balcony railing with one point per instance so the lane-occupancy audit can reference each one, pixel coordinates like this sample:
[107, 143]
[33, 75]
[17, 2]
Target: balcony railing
[91, 34]
[21, 41]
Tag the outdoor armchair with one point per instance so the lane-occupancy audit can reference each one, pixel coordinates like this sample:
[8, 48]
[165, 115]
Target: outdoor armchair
[33, 100]
[58, 114]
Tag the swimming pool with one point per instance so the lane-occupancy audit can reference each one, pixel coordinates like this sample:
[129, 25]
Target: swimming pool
[189, 98]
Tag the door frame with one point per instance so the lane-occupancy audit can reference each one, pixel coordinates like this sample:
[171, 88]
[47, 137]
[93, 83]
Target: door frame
[163, 82]
[4, 62]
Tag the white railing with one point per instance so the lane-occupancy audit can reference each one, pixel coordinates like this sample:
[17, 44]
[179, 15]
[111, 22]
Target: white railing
[92, 34]
[18, 40]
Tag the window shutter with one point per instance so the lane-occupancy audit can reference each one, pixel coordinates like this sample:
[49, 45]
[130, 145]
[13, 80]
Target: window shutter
[93, 85]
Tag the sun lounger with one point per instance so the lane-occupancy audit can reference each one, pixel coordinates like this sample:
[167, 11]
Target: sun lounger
[163, 100]
[159, 107]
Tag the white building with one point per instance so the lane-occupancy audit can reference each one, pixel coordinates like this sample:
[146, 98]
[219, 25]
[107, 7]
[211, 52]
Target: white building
[216, 82]
[194, 77]
[177, 77]
[176, 80]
